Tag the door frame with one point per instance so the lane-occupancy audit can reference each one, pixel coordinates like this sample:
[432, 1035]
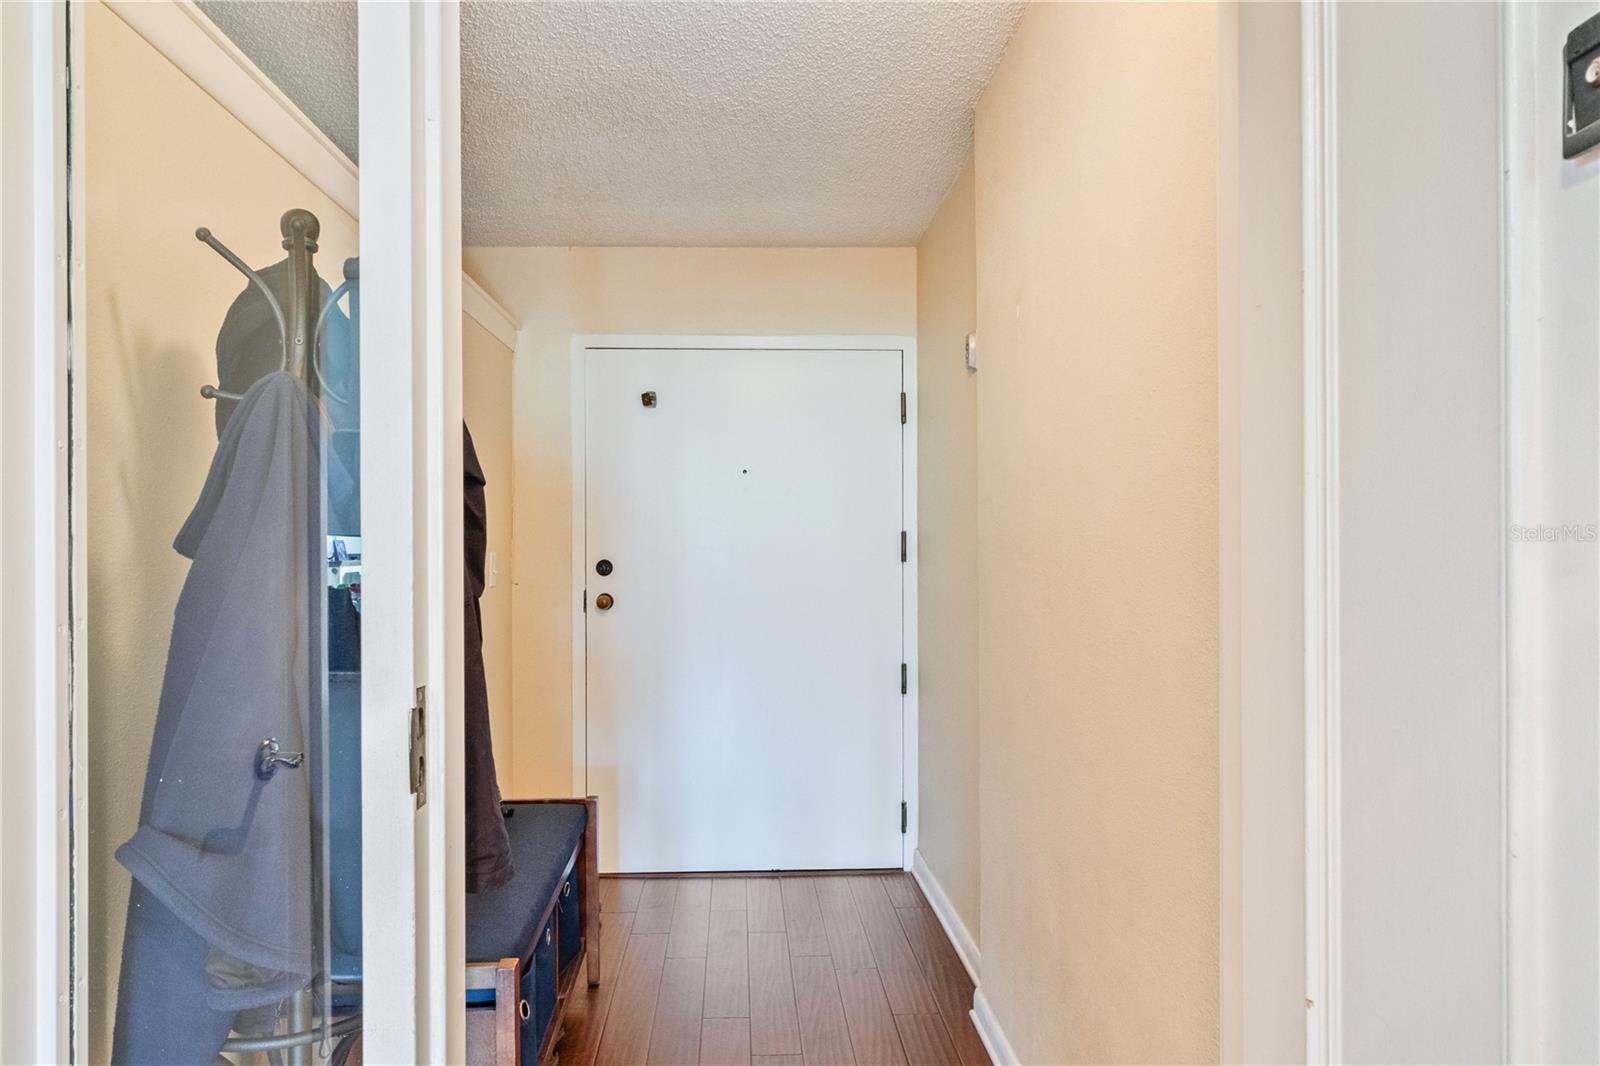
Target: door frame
[40, 564]
[1283, 887]
[413, 842]
[907, 347]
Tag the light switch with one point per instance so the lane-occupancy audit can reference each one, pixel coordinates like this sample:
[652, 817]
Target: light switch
[493, 566]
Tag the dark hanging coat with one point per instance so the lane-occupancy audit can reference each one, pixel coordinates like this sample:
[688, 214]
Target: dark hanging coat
[488, 845]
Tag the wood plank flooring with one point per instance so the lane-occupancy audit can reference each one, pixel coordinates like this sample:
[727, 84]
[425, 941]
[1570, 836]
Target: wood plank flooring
[850, 970]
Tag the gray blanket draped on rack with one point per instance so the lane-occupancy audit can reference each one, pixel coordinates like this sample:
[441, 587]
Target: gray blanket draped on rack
[240, 860]
[225, 914]
[224, 843]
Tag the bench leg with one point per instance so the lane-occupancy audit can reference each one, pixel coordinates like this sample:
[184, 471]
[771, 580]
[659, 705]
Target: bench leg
[507, 1013]
[590, 860]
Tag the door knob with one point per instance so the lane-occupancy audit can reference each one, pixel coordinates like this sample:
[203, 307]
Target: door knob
[604, 601]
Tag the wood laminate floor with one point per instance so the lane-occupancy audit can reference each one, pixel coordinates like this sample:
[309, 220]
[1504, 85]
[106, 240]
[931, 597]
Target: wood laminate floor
[772, 971]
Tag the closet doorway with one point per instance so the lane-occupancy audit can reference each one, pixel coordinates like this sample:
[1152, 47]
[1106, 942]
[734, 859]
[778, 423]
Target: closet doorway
[742, 551]
[264, 402]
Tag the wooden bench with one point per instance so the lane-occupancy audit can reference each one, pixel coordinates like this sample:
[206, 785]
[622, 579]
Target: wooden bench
[529, 940]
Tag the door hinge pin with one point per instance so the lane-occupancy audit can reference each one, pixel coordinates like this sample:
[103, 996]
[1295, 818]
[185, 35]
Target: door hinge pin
[904, 678]
[902, 408]
[905, 816]
[902, 545]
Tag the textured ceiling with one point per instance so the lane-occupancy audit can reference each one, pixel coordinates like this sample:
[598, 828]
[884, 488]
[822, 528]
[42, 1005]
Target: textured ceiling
[307, 48]
[679, 122]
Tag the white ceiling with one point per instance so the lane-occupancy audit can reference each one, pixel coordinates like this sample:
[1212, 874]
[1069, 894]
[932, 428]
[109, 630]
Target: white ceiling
[679, 122]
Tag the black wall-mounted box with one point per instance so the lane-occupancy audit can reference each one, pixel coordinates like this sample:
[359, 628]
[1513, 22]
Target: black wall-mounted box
[1581, 89]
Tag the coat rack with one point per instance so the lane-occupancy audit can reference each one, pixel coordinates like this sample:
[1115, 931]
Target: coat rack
[300, 328]
[301, 325]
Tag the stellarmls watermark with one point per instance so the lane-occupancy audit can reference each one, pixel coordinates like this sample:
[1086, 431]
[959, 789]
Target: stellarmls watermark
[1570, 533]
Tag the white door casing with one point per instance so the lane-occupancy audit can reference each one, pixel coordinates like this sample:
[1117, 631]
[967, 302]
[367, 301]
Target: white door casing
[1520, 747]
[36, 858]
[742, 696]
[413, 856]
[1551, 383]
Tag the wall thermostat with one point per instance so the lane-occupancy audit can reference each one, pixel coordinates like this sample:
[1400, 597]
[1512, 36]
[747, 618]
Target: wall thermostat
[972, 351]
[1580, 103]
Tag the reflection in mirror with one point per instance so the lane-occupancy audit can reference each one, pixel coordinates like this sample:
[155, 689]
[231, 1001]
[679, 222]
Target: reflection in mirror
[222, 519]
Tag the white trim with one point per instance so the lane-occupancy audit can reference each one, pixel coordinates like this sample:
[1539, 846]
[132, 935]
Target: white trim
[436, 113]
[960, 937]
[989, 1031]
[1520, 973]
[1319, 96]
[179, 30]
[82, 899]
[412, 859]
[907, 346]
[35, 548]
[488, 312]
[579, 551]
[394, 992]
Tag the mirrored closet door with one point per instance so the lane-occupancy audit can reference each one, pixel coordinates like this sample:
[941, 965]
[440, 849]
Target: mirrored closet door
[253, 450]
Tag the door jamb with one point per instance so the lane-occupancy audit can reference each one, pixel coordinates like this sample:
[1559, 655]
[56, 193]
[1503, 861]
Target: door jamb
[37, 628]
[415, 968]
[907, 347]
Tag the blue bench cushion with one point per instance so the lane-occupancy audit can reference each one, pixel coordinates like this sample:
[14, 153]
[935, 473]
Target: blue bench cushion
[501, 923]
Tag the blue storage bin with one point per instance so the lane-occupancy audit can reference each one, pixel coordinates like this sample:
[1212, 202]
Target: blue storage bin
[539, 990]
[569, 918]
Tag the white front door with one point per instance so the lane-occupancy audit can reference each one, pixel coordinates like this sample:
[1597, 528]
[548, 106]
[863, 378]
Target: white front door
[743, 514]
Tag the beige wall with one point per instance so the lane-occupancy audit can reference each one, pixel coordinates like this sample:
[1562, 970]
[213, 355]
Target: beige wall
[155, 299]
[558, 292]
[1096, 151]
[486, 404]
[947, 553]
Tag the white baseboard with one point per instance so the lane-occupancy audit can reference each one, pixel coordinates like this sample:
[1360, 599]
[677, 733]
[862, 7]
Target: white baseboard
[954, 927]
[989, 1031]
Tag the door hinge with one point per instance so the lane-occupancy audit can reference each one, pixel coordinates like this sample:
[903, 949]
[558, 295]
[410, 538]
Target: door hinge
[419, 744]
[902, 408]
[904, 678]
[902, 545]
[905, 816]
